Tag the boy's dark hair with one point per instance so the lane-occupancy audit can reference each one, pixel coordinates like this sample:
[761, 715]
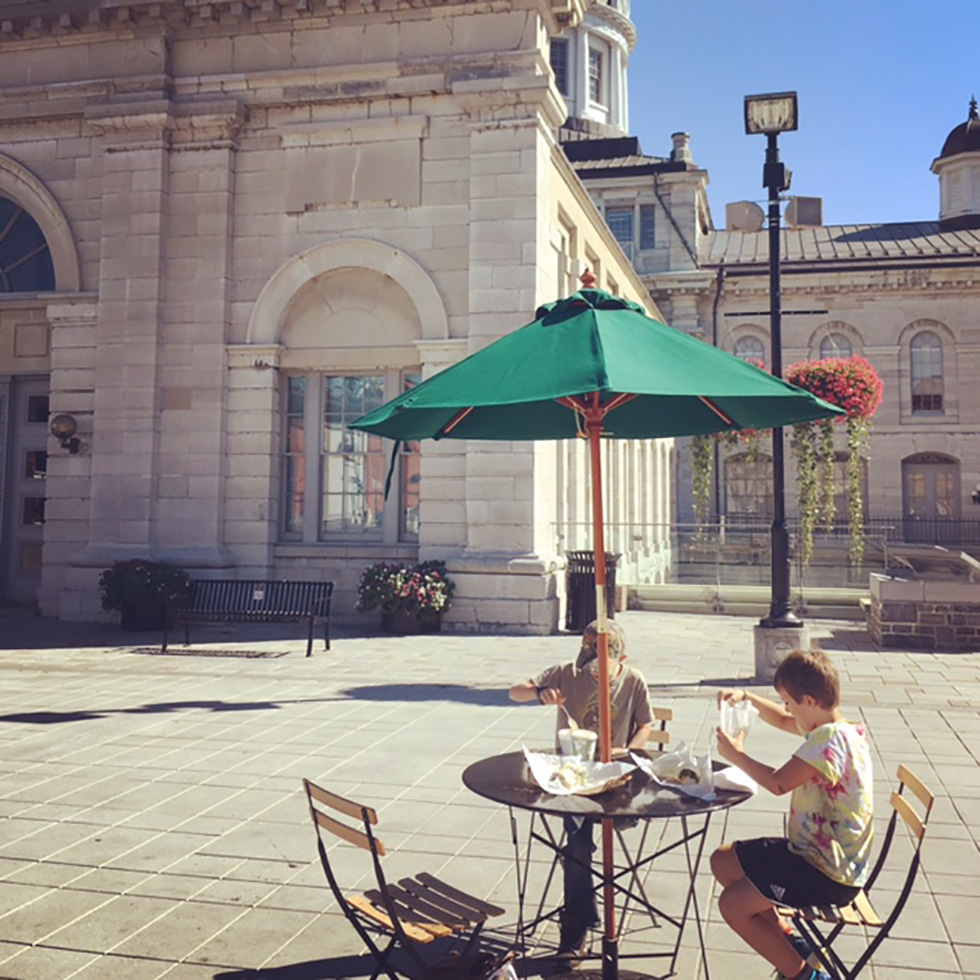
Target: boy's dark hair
[809, 672]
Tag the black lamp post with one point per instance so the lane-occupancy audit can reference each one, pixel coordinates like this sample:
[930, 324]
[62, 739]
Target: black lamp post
[771, 115]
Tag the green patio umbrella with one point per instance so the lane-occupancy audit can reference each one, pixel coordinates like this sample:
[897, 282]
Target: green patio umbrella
[595, 365]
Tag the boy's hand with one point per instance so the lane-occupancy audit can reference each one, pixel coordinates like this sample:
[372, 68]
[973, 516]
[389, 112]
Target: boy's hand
[731, 694]
[729, 746]
[550, 695]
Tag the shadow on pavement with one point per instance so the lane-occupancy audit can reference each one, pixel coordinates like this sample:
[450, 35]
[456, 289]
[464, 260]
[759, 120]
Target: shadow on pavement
[429, 692]
[58, 717]
[338, 968]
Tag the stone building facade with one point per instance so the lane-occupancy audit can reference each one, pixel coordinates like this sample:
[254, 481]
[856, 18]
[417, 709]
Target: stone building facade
[239, 225]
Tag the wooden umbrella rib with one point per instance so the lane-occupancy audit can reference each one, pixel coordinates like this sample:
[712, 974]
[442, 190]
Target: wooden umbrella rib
[456, 419]
[714, 408]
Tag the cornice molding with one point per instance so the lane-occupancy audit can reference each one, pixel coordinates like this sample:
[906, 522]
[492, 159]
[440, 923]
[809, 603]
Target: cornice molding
[31, 19]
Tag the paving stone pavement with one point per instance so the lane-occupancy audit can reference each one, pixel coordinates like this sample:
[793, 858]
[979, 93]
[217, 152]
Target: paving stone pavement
[152, 822]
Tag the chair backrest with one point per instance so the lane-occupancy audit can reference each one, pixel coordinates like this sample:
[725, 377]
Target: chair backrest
[915, 818]
[658, 733]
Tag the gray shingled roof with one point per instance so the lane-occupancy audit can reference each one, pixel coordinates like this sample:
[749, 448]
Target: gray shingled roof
[842, 243]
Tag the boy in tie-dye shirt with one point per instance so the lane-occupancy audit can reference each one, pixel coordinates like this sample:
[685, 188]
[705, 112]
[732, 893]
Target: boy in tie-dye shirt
[823, 860]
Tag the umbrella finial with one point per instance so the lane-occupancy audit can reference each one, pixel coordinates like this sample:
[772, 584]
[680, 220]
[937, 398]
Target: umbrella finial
[587, 279]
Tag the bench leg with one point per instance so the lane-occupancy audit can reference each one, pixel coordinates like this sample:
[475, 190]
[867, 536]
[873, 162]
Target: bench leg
[326, 632]
[309, 638]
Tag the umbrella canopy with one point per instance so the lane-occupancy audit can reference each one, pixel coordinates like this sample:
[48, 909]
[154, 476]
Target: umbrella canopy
[595, 365]
[592, 343]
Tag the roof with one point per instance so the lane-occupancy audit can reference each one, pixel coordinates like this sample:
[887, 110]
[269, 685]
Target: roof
[619, 156]
[965, 138]
[844, 243]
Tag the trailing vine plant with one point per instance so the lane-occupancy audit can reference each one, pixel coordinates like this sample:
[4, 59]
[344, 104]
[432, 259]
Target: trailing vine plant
[702, 465]
[853, 384]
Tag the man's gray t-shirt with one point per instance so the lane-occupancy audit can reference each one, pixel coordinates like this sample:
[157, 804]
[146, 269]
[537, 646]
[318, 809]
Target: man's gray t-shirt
[628, 694]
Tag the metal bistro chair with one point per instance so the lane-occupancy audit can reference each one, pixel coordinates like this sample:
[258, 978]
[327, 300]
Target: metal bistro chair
[409, 915]
[813, 923]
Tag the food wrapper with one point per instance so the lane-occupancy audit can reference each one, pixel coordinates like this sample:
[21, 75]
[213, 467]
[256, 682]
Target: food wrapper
[737, 718]
[567, 776]
[681, 769]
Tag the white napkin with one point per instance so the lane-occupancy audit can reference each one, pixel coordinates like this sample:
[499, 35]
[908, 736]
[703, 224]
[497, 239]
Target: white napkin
[733, 778]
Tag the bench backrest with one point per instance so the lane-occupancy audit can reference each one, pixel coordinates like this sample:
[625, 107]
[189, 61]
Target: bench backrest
[257, 597]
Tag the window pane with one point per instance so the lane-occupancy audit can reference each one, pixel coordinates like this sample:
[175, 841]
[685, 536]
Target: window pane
[926, 356]
[595, 75]
[915, 494]
[354, 463]
[748, 487]
[750, 349]
[294, 456]
[33, 510]
[294, 486]
[25, 260]
[36, 464]
[559, 64]
[620, 221]
[37, 408]
[836, 345]
[647, 225]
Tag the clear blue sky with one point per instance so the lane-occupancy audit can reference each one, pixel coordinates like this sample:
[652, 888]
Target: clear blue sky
[880, 82]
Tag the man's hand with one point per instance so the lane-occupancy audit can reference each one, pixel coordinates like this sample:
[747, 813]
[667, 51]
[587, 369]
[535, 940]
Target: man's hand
[550, 695]
[730, 747]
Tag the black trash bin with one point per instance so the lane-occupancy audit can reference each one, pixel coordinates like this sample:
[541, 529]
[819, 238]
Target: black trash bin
[580, 588]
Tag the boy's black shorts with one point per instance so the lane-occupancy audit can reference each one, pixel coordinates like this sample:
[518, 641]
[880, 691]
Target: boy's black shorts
[786, 878]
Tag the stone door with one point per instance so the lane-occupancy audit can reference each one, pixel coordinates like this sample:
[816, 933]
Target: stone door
[931, 494]
[26, 471]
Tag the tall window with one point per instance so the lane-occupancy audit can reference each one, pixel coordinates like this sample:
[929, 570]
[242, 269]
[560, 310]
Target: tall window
[748, 487]
[926, 356]
[836, 345]
[595, 75]
[333, 478]
[25, 260]
[620, 221]
[647, 225]
[750, 349]
[559, 63]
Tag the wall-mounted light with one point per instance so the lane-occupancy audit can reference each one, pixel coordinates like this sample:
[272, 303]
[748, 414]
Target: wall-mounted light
[63, 428]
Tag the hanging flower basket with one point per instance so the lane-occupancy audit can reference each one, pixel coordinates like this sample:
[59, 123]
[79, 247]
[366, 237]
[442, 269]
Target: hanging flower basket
[852, 384]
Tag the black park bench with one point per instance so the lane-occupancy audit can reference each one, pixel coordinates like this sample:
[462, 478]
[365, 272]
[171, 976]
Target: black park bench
[218, 600]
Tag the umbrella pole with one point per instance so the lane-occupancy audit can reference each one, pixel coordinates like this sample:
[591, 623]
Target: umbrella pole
[610, 942]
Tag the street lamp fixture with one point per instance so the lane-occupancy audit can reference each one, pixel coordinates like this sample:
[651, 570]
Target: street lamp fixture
[770, 115]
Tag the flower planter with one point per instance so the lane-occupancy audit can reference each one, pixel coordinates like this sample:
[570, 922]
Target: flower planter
[401, 622]
[143, 614]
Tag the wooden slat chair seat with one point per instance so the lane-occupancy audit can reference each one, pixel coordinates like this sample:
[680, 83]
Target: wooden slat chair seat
[410, 914]
[821, 925]
[252, 601]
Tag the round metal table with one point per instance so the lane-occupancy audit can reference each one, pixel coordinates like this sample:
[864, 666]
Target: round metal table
[507, 779]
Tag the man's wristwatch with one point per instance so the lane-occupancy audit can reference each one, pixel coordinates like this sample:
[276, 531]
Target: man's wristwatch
[538, 691]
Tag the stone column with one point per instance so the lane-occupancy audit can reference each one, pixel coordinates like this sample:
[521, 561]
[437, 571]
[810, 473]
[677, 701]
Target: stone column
[67, 591]
[135, 188]
[188, 503]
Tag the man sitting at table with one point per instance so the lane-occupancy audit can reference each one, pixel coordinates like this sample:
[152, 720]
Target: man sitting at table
[574, 687]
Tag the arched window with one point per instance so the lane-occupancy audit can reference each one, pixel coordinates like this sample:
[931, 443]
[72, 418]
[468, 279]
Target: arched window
[926, 364]
[750, 349]
[836, 345]
[25, 260]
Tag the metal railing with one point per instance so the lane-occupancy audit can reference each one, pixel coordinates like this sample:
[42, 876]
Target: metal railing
[737, 551]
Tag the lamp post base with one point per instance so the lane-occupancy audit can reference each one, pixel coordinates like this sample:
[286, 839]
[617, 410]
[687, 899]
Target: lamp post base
[773, 644]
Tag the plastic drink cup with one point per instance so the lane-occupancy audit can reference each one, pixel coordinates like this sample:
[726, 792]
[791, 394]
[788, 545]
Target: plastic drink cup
[565, 744]
[584, 743]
